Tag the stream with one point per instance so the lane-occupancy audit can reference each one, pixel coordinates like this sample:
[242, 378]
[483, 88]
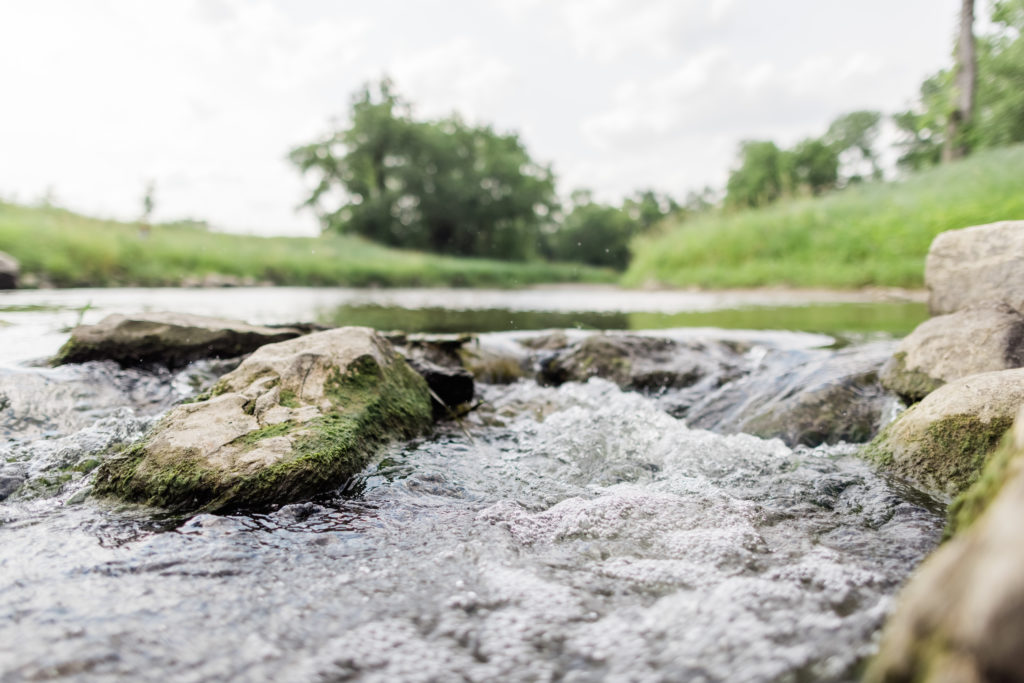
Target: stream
[578, 532]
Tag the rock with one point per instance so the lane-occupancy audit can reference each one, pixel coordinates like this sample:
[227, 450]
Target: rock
[943, 442]
[961, 617]
[979, 265]
[947, 347]
[170, 339]
[639, 363]
[804, 398]
[296, 418]
[9, 270]
[436, 358]
[9, 484]
[450, 387]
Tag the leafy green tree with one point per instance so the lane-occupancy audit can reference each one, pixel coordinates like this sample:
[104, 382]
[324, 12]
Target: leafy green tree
[760, 178]
[648, 207]
[812, 165]
[853, 136]
[594, 233]
[442, 186]
[998, 113]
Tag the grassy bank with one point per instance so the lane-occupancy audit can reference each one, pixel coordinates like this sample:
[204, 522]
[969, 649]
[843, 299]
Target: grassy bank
[872, 234]
[69, 250]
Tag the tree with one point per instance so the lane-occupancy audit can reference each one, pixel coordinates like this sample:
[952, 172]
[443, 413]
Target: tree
[923, 128]
[934, 128]
[853, 137]
[811, 166]
[442, 186]
[958, 123]
[648, 207]
[759, 179]
[594, 233]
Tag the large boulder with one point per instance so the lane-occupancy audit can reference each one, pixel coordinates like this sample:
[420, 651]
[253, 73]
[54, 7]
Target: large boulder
[943, 442]
[170, 339]
[961, 617]
[948, 347]
[294, 419]
[9, 270]
[979, 265]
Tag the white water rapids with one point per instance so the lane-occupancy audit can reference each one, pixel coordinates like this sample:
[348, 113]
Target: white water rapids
[578, 533]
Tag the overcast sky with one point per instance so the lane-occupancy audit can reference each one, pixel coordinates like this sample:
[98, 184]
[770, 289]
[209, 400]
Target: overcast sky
[206, 97]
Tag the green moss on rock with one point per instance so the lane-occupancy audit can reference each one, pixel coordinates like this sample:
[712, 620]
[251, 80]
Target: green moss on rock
[970, 504]
[909, 385]
[948, 455]
[371, 405]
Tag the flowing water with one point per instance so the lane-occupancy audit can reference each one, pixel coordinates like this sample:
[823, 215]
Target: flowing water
[572, 533]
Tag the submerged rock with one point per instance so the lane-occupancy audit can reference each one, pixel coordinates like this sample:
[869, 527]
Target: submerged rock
[9, 271]
[961, 618]
[983, 264]
[804, 398]
[294, 419]
[947, 347]
[634, 362]
[170, 339]
[944, 441]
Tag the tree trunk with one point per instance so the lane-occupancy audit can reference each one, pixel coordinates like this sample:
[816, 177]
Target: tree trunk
[965, 80]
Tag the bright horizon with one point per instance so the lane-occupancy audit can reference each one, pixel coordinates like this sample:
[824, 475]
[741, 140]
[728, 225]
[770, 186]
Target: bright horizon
[206, 98]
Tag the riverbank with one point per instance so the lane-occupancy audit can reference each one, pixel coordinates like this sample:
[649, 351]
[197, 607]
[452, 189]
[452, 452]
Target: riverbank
[874, 234]
[60, 248]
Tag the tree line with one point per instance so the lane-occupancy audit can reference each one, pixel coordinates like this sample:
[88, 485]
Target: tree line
[977, 103]
[451, 187]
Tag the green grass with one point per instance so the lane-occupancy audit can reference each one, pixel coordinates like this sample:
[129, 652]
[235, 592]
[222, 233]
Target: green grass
[871, 234]
[69, 250]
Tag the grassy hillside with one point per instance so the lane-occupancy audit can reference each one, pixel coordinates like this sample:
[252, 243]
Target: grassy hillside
[70, 250]
[873, 234]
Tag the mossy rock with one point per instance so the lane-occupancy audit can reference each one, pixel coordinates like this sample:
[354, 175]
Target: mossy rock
[294, 419]
[961, 617]
[948, 347]
[944, 442]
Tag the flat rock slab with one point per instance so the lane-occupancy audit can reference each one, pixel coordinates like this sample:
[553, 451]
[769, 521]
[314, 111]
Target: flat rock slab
[970, 341]
[634, 362]
[295, 419]
[961, 617]
[943, 442]
[979, 265]
[170, 339]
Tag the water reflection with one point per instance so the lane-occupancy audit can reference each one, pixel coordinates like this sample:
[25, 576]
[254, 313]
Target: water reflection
[895, 318]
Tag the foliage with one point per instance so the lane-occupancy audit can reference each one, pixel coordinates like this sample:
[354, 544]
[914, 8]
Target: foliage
[595, 233]
[442, 186]
[599, 234]
[854, 135]
[813, 166]
[999, 116]
[869, 234]
[648, 207]
[65, 249]
[759, 180]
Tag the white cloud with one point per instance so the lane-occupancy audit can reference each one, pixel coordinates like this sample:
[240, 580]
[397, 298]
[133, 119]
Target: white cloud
[606, 30]
[457, 76]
